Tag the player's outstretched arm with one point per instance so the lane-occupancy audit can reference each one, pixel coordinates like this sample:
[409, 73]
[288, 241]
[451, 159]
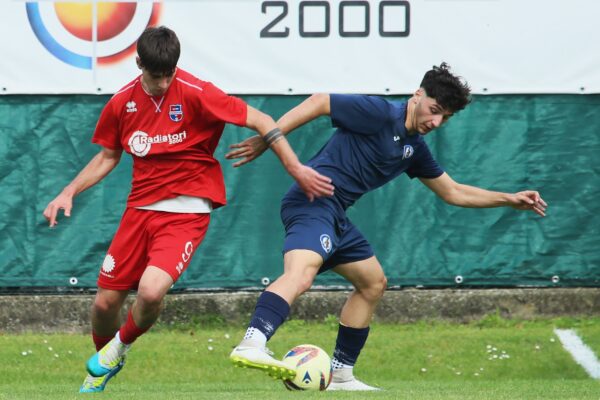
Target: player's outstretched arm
[311, 108]
[251, 148]
[92, 173]
[248, 150]
[310, 181]
[470, 196]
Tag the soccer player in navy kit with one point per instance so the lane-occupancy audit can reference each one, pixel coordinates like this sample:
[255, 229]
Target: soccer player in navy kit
[376, 141]
[170, 122]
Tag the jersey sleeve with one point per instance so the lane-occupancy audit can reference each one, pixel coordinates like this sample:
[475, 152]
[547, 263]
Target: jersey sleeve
[424, 165]
[359, 113]
[106, 133]
[217, 105]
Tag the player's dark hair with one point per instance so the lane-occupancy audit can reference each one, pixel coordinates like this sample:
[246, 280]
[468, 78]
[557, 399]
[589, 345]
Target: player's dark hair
[159, 49]
[448, 90]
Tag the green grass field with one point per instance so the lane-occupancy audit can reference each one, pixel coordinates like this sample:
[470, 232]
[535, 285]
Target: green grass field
[414, 361]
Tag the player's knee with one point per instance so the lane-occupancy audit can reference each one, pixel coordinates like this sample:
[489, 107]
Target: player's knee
[104, 306]
[375, 289]
[304, 284]
[299, 279]
[149, 298]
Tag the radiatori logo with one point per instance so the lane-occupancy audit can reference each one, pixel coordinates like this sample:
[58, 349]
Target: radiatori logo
[140, 142]
[89, 33]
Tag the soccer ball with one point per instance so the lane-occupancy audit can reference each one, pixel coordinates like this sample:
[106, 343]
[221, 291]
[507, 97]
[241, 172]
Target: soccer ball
[312, 365]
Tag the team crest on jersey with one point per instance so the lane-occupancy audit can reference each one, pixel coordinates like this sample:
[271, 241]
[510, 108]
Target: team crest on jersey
[175, 112]
[408, 151]
[325, 242]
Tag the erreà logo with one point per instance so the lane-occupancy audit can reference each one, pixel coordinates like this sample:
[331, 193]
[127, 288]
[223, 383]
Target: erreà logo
[131, 106]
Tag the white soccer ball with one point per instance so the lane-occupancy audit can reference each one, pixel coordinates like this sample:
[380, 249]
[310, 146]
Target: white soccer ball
[312, 365]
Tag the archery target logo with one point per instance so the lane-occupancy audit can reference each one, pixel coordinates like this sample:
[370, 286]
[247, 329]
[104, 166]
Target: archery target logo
[85, 34]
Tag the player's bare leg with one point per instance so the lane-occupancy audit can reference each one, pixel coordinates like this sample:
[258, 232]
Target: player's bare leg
[152, 288]
[105, 323]
[300, 269]
[369, 282]
[106, 311]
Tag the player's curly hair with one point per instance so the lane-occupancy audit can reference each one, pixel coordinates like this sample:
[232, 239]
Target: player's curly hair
[159, 50]
[449, 91]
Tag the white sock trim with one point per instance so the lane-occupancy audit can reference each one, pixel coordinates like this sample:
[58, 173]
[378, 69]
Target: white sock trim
[254, 338]
[123, 348]
[337, 364]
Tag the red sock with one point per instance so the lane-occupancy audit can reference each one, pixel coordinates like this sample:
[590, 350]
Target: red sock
[129, 330]
[101, 341]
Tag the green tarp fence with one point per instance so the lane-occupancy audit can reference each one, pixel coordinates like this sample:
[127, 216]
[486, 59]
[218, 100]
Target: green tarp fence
[508, 143]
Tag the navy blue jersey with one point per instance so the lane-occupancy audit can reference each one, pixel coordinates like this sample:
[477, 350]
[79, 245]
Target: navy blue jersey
[370, 147]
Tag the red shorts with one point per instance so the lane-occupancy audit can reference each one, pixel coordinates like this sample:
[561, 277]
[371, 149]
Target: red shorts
[160, 239]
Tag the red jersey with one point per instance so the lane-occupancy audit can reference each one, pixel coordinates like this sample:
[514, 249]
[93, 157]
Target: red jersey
[171, 138]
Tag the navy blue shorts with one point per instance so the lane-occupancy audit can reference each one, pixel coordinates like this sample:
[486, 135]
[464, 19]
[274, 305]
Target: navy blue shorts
[323, 227]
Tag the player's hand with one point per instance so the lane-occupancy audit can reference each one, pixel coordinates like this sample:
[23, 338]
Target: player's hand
[62, 201]
[312, 183]
[247, 150]
[529, 200]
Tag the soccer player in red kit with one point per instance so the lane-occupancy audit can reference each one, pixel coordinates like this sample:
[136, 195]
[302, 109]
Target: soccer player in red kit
[170, 122]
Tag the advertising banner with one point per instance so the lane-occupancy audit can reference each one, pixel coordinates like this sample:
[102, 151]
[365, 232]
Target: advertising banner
[302, 47]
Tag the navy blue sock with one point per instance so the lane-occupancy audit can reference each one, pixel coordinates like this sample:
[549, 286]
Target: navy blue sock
[270, 312]
[349, 343]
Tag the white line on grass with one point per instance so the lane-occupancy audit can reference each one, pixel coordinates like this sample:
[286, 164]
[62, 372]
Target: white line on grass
[582, 354]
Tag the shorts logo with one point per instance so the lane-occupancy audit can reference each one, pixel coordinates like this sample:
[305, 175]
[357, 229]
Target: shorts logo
[175, 112]
[325, 242]
[185, 256]
[408, 152]
[108, 265]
